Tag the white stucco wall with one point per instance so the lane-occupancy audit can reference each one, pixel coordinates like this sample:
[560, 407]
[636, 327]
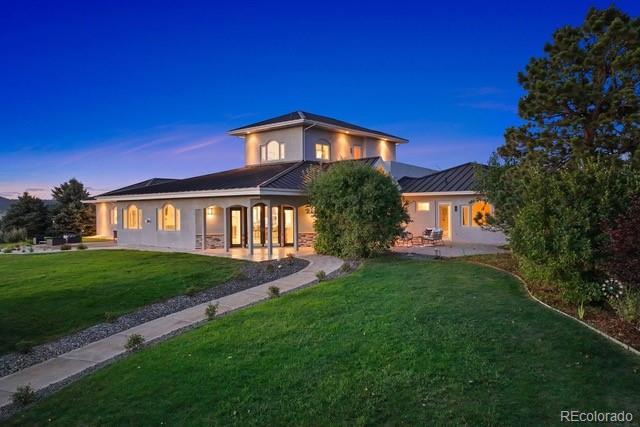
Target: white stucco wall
[290, 137]
[459, 233]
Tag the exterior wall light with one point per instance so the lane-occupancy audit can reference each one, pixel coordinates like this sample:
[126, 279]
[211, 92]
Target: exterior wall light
[210, 212]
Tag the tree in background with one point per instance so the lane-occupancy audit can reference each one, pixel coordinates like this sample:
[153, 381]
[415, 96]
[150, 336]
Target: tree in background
[70, 215]
[572, 167]
[624, 246]
[28, 213]
[358, 210]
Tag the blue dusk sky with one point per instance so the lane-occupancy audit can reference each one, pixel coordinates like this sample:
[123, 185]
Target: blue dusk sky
[116, 92]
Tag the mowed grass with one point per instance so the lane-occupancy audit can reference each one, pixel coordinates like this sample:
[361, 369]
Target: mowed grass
[397, 343]
[44, 296]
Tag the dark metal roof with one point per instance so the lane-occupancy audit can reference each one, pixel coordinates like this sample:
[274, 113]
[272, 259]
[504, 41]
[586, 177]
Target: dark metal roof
[245, 177]
[287, 176]
[139, 185]
[311, 117]
[457, 178]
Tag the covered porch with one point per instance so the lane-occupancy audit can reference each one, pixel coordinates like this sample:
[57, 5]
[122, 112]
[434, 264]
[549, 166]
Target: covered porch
[250, 228]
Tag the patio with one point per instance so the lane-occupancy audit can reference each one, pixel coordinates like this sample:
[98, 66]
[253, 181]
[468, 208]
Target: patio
[451, 250]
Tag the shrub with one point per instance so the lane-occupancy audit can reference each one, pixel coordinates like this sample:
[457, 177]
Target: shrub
[274, 292]
[14, 235]
[624, 245]
[345, 267]
[627, 305]
[24, 346]
[82, 247]
[23, 395]
[211, 311]
[65, 247]
[7, 250]
[192, 290]
[290, 258]
[358, 210]
[321, 275]
[134, 342]
[270, 268]
[110, 317]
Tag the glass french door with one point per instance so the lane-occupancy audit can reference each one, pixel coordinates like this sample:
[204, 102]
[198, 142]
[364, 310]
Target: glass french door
[287, 226]
[257, 228]
[236, 226]
[275, 224]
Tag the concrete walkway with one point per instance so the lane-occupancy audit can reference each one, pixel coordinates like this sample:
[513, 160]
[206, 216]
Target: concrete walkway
[74, 362]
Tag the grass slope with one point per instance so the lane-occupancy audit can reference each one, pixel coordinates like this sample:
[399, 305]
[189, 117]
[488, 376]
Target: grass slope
[44, 296]
[397, 342]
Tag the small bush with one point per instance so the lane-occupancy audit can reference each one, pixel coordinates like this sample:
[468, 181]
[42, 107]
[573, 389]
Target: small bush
[23, 395]
[270, 268]
[627, 305]
[24, 346]
[321, 275]
[345, 267]
[14, 235]
[110, 317]
[274, 292]
[211, 311]
[82, 247]
[290, 258]
[134, 342]
[7, 250]
[65, 247]
[30, 249]
[192, 290]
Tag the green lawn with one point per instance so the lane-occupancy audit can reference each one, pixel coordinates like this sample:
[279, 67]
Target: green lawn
[397, 342]
[44, 296]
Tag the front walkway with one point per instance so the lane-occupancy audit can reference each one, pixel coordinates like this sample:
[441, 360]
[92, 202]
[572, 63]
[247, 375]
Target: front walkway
[74, 362]
[451, 250]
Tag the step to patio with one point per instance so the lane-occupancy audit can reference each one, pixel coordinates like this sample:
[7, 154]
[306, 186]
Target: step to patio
[76, 361]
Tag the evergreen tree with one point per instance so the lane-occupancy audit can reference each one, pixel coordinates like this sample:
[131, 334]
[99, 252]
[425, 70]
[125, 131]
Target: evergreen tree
[28, 213]
[70, 215]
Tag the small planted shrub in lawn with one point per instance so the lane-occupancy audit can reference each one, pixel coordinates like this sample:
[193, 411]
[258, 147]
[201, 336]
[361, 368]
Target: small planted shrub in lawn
[321, 275]
[274, 292]
[110, 317]
[82, 247]
[65, 247]
[192, 290]
[211, 311]
[23, 395]
[134, 342]
[345, 267]
[24, 346]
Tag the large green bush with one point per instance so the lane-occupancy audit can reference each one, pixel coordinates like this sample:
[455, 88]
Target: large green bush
[358, 210]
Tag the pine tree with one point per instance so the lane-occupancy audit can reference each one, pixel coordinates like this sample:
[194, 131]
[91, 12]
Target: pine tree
[70, 215]
[27, 212]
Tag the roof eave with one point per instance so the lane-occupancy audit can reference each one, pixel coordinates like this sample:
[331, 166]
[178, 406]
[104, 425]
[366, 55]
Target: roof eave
[228, 192]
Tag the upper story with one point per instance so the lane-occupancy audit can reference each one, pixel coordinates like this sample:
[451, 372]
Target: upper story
[305, 136]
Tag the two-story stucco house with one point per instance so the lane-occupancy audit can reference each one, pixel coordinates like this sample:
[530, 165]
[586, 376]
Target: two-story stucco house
[263, 204]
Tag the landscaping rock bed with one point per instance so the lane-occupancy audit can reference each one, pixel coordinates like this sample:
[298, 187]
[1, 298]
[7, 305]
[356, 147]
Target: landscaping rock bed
[252, 274]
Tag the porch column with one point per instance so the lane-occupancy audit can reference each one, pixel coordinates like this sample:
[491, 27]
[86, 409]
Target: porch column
[295, 228]
[250, 227]
[269, 228]
[225, 224]
[204, 229]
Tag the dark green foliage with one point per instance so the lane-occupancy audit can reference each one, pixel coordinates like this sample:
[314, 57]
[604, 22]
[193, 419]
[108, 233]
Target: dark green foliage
[211, 311]
[570, 169]
[70, 215]
[583, 96]
[23, 395]
[110, 317]
[624, 246]
[65, 247]
[358, 210]
[134, 342]
[192, 290]
[274, 292]
[321, 276]
[28, 213]
[82, 247]
[13, 235]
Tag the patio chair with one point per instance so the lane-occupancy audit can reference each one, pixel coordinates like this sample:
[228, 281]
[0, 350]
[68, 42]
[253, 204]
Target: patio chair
[435, 238]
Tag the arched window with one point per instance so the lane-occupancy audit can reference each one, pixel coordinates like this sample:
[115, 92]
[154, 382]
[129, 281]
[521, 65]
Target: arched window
[132, 218]
[169, 218]
[273, 150]
[323, 150]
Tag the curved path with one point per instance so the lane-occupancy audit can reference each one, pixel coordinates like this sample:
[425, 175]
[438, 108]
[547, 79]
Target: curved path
[74, 362]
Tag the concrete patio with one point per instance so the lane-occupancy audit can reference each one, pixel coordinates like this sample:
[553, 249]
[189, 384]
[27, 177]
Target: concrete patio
[451, 250]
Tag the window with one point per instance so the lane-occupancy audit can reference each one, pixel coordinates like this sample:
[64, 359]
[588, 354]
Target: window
[113, 216]
[273, 150]
[323, 151]
[169, 218]
[422, 206]
[357, 152]
[479, 211]
[465, 216]
[132, 218]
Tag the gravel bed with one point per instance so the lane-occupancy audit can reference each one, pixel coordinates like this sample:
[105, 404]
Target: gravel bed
[252, 274]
